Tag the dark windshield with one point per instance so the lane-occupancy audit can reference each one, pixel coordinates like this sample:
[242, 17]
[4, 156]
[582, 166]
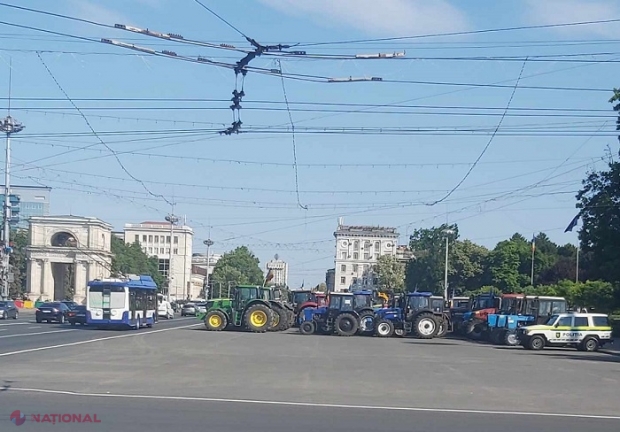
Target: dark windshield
[301, 297]
[362, 300]
[418, 302]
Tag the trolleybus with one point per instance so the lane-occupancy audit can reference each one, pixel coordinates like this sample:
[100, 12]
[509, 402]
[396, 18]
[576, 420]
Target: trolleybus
[129, 302]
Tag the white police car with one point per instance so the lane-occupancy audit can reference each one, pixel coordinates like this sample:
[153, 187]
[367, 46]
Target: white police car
[585, 331]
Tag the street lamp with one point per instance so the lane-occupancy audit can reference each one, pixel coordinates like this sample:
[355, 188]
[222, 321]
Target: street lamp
[208, 243]
[172, 219]
[9, 126]
[447, 232]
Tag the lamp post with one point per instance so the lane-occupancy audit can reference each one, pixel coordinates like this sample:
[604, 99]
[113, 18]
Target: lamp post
[208, 243]
[9, 126]
[447, 232]
[173, 220]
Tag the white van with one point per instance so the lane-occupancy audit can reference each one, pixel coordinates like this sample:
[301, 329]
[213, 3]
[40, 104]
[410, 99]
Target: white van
[164, 308]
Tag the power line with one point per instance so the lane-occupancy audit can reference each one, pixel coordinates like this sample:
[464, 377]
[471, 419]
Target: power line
[499, 124]
[463, 33]
[221, 19]
[290, 117]
[120, 163]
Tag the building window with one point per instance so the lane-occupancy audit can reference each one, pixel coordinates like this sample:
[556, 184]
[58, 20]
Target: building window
[137, 238]
[343, 268]
[176, 251]
[377, 245]
[343, 255]
[354, 280]
[164, 265]
[343, 280]
[355, 268]
[150, 250]
[150, 239]
[356, 255]
[156, 239]
[367, 244]
[176, 239]
[144, 238]
[356, 244]
[168, 250]
[366, 256]
[161, 250]
[376, 256]
[168, 239]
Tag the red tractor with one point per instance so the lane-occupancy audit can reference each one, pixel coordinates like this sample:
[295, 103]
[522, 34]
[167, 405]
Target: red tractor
[303, 299]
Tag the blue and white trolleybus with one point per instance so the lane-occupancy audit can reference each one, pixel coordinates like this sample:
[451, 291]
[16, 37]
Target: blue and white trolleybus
[129, 302]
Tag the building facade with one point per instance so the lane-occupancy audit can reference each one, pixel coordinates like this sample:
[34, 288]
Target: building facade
[199, 272]
[27, 201]
[280, 271]
[357, 250]
[161, 240]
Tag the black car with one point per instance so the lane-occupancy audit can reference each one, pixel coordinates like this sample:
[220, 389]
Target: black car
[52, 311]
[70, 304]
[77, 315]
[8, 310]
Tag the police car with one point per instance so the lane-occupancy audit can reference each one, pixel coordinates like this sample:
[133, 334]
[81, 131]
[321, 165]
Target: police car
[584, 331]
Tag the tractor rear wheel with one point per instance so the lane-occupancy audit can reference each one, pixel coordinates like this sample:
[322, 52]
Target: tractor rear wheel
[425, 326]
[215, 321]
[384, 328]
[366, 323]
[346, 324]
[258, 318]
[279, 319]
[307, 328]
[284, 319]
[443, 329]
[475, 331]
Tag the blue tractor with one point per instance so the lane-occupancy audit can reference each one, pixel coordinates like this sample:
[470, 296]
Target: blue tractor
[345, 314]
[517, 311]
[419, 313]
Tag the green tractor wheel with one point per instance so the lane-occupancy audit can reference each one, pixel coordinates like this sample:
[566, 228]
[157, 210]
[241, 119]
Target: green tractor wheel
[215, 321]
[258, 318]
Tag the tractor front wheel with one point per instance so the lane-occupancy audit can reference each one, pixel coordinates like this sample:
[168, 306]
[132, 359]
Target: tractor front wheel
[510, 338]
[307, 328]
[385, 328]
[346, 325]
[215, 321]
[425, 326]
[258, 318]
[366, 323]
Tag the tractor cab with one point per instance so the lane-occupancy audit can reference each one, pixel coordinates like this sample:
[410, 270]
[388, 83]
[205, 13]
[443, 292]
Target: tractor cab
[543, 307]
[298, 297]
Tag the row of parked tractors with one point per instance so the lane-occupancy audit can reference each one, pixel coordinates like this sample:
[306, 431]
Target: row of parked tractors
[419, 314]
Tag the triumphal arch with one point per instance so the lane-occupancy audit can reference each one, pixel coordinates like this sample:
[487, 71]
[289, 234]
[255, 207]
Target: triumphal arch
[64, 253]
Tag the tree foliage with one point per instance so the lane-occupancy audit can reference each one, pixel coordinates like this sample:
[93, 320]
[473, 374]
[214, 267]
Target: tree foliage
[19, 263]
[390, 273]
[129, 258]
[237, 267]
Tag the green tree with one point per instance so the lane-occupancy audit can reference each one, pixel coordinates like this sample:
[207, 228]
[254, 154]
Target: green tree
[503, 266]
[237, 267]
[19, 263]
[390, 273]
[426, 271]
[615, 99]
[467, 266]
[129, 258]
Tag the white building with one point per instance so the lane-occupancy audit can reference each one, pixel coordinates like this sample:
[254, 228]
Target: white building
[280, 271]
[357, 250]
[199, 270]
[156, 240]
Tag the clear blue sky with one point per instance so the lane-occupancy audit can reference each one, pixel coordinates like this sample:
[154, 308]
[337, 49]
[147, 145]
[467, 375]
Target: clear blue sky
[525, 182]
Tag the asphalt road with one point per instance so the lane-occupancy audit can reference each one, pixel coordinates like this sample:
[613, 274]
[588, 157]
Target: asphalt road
[177, 374]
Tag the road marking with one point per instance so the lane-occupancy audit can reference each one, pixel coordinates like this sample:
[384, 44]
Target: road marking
[90, 340]
[3, 329]
[34, 327]
[319, 405]
[17, 323]
[35, 334]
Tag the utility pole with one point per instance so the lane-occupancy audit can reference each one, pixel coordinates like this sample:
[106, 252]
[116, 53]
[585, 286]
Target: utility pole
[577, 267]
[208, 243]
[173, 220]
[533, 252]
[447, 232]
[9, 126]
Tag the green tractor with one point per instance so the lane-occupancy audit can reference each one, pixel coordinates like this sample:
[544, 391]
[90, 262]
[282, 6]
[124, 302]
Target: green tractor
[283, 315]
[246, 308]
